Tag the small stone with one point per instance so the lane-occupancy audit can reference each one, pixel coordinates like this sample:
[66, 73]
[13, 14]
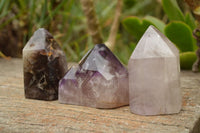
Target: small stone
[44, 65]
[99, 81]
[154, 69]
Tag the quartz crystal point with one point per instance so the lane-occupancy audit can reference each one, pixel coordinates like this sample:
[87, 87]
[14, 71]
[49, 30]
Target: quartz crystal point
[154, 84]
[44, 65]
[99, 81]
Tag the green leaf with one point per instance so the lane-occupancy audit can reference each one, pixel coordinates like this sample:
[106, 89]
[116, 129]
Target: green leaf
[2, 2]
[156, 22]
[135, 26]
[4, 8]
[172, 10]
[137, 7]
[43, 13]
[189, 19]
[53, 13]
[181, 35]
[107, 9]
[187, 59]
[132, 46]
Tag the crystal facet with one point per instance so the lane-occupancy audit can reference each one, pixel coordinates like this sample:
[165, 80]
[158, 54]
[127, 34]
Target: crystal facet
[99, 81]
[44, 65]
[154, 84]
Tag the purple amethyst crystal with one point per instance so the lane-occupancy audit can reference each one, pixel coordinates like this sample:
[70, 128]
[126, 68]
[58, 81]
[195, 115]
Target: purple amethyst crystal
[99, 81]
[44, 65]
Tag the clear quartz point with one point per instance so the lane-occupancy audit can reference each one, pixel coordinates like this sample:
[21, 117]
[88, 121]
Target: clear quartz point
[154, 81]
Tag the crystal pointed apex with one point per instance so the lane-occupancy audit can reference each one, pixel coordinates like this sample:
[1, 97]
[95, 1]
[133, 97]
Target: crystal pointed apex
[93, 61]
[37, 41]
[44, 65]
[153, 44]
[100, 81]
[170, 44]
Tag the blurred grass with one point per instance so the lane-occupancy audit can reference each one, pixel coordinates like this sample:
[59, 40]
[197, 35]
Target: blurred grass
[66, 21]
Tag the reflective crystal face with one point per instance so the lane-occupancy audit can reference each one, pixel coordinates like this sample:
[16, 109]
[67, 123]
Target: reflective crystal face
[99, 81]
[44, 65]
[154, 86]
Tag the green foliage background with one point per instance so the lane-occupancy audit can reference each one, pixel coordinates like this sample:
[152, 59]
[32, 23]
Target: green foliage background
[66, 21]
[178, 28]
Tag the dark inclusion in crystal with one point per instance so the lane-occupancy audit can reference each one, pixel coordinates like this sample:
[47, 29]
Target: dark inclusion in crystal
[44, 65]
[99, 81]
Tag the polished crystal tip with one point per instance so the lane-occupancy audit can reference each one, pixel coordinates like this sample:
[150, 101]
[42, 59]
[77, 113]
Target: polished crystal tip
[154, 84]
[99, 81]
[44, 65]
